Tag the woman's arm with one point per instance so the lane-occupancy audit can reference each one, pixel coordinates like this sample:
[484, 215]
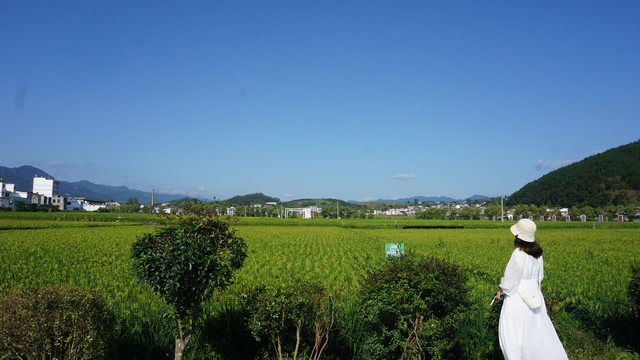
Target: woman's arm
[511, 280]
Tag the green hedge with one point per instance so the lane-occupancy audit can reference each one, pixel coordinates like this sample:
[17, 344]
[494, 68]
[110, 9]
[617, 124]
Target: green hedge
[410, 309]
[55, 323]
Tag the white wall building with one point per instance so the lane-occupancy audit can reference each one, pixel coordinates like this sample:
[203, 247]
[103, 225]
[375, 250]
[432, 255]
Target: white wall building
[20, 196]
[25, 197]
[306, 212]
[74, 204]
[46, 187]
[6, 188]
[407, 211]
[92, 207]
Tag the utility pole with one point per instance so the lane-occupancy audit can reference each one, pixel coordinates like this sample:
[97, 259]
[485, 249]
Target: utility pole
[501, 208]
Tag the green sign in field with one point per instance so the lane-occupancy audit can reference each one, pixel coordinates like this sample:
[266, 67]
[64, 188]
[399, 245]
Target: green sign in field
[394, 250]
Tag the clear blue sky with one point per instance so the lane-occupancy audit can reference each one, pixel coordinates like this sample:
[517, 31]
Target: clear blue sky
[354, 100]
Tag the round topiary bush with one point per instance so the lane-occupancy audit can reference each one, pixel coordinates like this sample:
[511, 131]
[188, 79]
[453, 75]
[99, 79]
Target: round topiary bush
[185, 261]
[54, 322]
[410, 309]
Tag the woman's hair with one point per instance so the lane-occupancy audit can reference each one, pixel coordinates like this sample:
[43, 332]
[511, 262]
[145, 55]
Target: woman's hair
[532, 248]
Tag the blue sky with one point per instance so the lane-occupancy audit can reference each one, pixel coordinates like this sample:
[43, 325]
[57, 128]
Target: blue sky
[354, 100]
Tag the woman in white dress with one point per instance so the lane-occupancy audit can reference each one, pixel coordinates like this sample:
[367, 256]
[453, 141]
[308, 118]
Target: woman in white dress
[526, 333]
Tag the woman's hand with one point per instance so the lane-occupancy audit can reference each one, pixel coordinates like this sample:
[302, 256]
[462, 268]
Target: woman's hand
[498, 294]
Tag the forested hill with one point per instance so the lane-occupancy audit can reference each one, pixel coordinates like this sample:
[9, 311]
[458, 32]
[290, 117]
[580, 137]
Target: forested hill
[608, 178]
[250, 199]
[322, 203]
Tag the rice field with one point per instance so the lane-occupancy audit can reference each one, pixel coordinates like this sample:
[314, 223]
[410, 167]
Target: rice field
[586, 270]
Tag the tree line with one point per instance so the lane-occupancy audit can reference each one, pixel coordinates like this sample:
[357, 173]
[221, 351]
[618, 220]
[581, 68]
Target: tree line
[609, 212]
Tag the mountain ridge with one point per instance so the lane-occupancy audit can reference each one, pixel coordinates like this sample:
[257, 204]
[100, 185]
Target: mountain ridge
[22, 177]
[431, 199]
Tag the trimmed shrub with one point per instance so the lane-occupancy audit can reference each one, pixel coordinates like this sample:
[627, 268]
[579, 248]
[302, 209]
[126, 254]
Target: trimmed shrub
[410, 308]
[295, 319]
[54, 322]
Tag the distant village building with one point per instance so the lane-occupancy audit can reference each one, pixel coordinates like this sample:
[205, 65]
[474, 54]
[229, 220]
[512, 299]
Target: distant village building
[406, 211]
[6, 188]
[58, 201]
[45, 192]
[75, 203]
[46, 187]
[93, 207]
[308, 212]
[166, 208]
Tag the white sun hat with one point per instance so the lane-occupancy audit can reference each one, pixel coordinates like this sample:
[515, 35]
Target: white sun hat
[525, 230]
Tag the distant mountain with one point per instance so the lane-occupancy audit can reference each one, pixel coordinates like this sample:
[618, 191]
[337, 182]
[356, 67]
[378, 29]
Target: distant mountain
[93, 191]
[479, 197]
[23, 178]
[609, 178]
[442, 199]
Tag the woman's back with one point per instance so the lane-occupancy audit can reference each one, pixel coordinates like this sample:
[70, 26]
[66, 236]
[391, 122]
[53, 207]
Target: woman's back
[525, 333]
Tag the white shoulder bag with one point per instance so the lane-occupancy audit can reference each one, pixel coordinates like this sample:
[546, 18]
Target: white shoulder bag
[533, 299]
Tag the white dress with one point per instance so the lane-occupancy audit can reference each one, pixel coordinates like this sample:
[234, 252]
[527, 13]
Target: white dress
[526, 334]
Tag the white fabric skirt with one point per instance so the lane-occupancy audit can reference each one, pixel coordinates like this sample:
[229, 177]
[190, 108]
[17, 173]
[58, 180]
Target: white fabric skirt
[527, 334]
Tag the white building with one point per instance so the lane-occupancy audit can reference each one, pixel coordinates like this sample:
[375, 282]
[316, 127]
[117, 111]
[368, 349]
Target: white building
[306, 212]
[6, 188]
[46, 187]
[407, 211]
[25, 197]
[5, 191]
[74, 203]
[93, 207]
